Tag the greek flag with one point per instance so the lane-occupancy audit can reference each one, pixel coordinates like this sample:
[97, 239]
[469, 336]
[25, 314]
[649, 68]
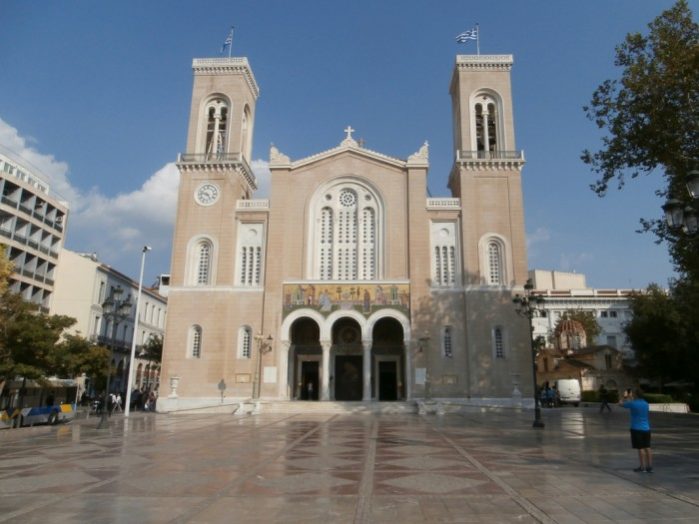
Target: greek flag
[228, 41]
[467, 35]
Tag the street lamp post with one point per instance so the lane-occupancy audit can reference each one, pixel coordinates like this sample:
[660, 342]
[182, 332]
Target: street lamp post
[682, 217]
[264, 345]
[117, 309]
[526, 305]
[129, 382]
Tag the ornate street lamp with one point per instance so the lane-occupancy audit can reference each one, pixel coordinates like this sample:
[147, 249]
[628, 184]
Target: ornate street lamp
[264, 345]
[117, 309]
[682, 217]
[526, 305]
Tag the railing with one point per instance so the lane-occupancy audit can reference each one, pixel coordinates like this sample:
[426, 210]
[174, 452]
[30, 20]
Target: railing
[489, 155]
[210, 158]
[444, 203]
[259, 203]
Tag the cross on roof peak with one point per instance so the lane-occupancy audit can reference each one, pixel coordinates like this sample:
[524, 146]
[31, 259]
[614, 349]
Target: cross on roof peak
[349, 132]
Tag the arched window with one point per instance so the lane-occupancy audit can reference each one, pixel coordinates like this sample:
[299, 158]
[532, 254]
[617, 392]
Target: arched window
[346, 226]
[487, 125]
[195, 336]
[250, 242]
[216, 127]
[447, 346]
[498, 343]
[443, 241]
[245, 342]
[495, 265]
[246, 134]
[203, 253]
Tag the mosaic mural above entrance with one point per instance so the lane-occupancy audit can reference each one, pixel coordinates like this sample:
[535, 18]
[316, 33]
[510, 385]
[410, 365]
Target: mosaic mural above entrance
[364, 298]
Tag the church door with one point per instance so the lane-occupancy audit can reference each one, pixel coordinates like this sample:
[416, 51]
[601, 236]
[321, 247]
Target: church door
[348, 377]
[388, 380]
[310, 380]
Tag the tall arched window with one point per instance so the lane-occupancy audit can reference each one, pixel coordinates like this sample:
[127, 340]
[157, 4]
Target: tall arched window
[216, 127]
[495, 265]
[346, 227]
[498, 343]
[203, 262]
[445, 266]
[249, 263]
[447, 346]
[246, 134]
[195, 342]
[244, 342]
[486, 114]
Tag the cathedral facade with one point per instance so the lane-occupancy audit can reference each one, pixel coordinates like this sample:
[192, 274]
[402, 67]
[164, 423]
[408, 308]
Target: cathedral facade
[349, 283]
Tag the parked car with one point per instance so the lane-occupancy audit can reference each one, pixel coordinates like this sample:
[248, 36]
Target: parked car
[569, 391]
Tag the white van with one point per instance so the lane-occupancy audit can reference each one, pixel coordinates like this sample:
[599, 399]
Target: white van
[568, 391]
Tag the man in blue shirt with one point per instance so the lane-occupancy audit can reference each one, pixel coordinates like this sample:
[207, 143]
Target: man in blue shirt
[640, 429]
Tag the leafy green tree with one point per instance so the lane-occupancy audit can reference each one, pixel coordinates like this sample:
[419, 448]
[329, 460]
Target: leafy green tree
[656, 333]
[153, 349]
[651, 115]
[5, 270]
[27, 338]
[74, 355]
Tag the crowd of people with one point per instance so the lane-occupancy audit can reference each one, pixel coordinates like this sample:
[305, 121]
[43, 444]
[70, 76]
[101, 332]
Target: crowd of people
[141, 400]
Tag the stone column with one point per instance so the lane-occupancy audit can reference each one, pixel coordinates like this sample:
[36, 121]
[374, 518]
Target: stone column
[325, 382]
[409, 371]
[366, 347]
[284, 391]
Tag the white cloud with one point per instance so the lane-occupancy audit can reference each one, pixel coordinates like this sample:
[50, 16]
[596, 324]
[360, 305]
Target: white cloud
[114, 227]
[540, 236]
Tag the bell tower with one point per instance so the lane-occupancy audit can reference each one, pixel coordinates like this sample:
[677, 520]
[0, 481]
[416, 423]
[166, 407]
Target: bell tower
[486, 174]
[214, 171]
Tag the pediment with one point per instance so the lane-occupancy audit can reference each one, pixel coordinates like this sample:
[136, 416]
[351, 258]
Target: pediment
[349, 146]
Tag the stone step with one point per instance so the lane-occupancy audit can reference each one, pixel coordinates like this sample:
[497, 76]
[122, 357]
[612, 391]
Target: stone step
[295, 406]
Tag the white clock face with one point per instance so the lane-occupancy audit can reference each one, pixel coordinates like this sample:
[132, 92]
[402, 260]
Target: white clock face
[207, 194]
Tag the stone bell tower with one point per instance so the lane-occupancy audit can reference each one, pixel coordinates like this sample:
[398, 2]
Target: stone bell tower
[214, 176]
[487, 171]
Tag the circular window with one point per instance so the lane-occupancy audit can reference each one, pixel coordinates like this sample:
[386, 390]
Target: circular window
[348, 198]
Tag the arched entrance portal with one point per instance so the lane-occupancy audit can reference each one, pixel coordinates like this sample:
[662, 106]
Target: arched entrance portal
[306, 358]
[348, 360]
[388, 364]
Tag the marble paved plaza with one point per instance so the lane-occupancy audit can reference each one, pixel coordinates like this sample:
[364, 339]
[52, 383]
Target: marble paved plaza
[326, 468]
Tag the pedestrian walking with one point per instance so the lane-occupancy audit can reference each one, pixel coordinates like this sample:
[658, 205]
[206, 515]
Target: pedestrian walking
[604, 399]
[640, 429]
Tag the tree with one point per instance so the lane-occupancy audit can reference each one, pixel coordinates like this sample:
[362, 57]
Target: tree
[657, 335]
[27, 338]
[5, 270]
[74, 355]
[651, 115]
[153, 349]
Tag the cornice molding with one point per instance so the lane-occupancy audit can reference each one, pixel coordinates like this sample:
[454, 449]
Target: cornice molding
[227, 66]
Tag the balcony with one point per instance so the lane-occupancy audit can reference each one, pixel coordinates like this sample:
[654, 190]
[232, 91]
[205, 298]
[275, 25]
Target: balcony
[216, 161]
[443, 203]
[465, 156]
[253, 205]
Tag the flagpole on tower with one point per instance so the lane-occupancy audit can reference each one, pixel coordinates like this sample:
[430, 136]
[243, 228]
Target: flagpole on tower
[478, 39]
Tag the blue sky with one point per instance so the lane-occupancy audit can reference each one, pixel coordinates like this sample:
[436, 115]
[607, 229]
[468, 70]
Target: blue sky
[96, 96]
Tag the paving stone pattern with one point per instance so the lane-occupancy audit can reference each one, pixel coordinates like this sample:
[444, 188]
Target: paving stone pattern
[476, 466]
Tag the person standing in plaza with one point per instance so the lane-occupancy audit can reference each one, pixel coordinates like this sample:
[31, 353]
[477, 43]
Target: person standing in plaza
[640, 429]
[604, 399]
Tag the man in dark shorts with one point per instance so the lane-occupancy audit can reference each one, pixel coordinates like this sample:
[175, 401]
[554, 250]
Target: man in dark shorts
[640, 429]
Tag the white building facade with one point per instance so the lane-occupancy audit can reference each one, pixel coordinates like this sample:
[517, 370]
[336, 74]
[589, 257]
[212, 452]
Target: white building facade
[83, 284]
[32, 225]
[568, 291]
